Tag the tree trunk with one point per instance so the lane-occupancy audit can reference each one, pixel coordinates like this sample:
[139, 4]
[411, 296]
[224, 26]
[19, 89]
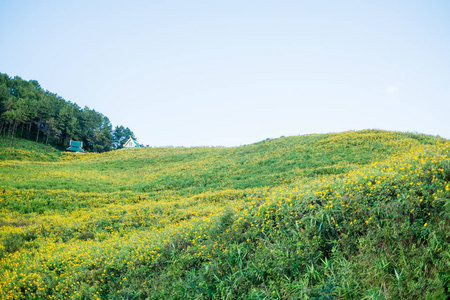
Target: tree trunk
[46, 141]
[38, 130]
[10, 131]
[29, 129]
[13, 133]
[21, 133]
[4, 131]
[63, 137]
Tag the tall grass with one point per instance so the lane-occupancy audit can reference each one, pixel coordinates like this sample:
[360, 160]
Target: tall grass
[350, 215]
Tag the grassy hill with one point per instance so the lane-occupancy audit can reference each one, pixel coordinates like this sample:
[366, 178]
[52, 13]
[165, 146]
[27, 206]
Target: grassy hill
[350, 215]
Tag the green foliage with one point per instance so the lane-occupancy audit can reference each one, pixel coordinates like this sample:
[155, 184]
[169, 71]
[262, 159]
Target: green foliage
[359, 215]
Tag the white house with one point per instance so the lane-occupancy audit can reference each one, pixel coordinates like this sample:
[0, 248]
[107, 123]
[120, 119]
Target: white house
[131, 144]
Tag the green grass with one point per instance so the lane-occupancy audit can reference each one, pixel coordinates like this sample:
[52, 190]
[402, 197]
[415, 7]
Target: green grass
[26, 150]
[354, 215]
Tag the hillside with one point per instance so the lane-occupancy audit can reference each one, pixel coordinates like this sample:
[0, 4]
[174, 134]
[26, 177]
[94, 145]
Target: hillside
[347, 215]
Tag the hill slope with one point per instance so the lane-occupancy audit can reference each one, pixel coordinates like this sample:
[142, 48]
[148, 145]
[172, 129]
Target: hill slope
[349, 215]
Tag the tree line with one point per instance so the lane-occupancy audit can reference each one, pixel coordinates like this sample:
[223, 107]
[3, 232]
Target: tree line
[30, 112]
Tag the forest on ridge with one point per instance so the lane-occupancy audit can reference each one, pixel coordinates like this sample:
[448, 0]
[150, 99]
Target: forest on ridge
[28, 111]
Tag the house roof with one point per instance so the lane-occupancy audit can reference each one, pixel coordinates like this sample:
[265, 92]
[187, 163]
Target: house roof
[130, 143]
[75, 146]
[75, 149]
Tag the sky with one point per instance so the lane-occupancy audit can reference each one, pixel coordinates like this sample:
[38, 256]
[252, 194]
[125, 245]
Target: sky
[229, 73]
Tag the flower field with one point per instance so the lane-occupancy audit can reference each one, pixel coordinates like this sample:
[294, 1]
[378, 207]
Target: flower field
[354, 215]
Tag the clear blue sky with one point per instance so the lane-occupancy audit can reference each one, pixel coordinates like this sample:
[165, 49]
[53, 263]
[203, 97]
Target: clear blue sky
[187, 73]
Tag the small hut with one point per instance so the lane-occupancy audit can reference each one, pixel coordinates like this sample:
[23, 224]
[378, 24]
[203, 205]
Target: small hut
[131, 144]
[76, 147]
